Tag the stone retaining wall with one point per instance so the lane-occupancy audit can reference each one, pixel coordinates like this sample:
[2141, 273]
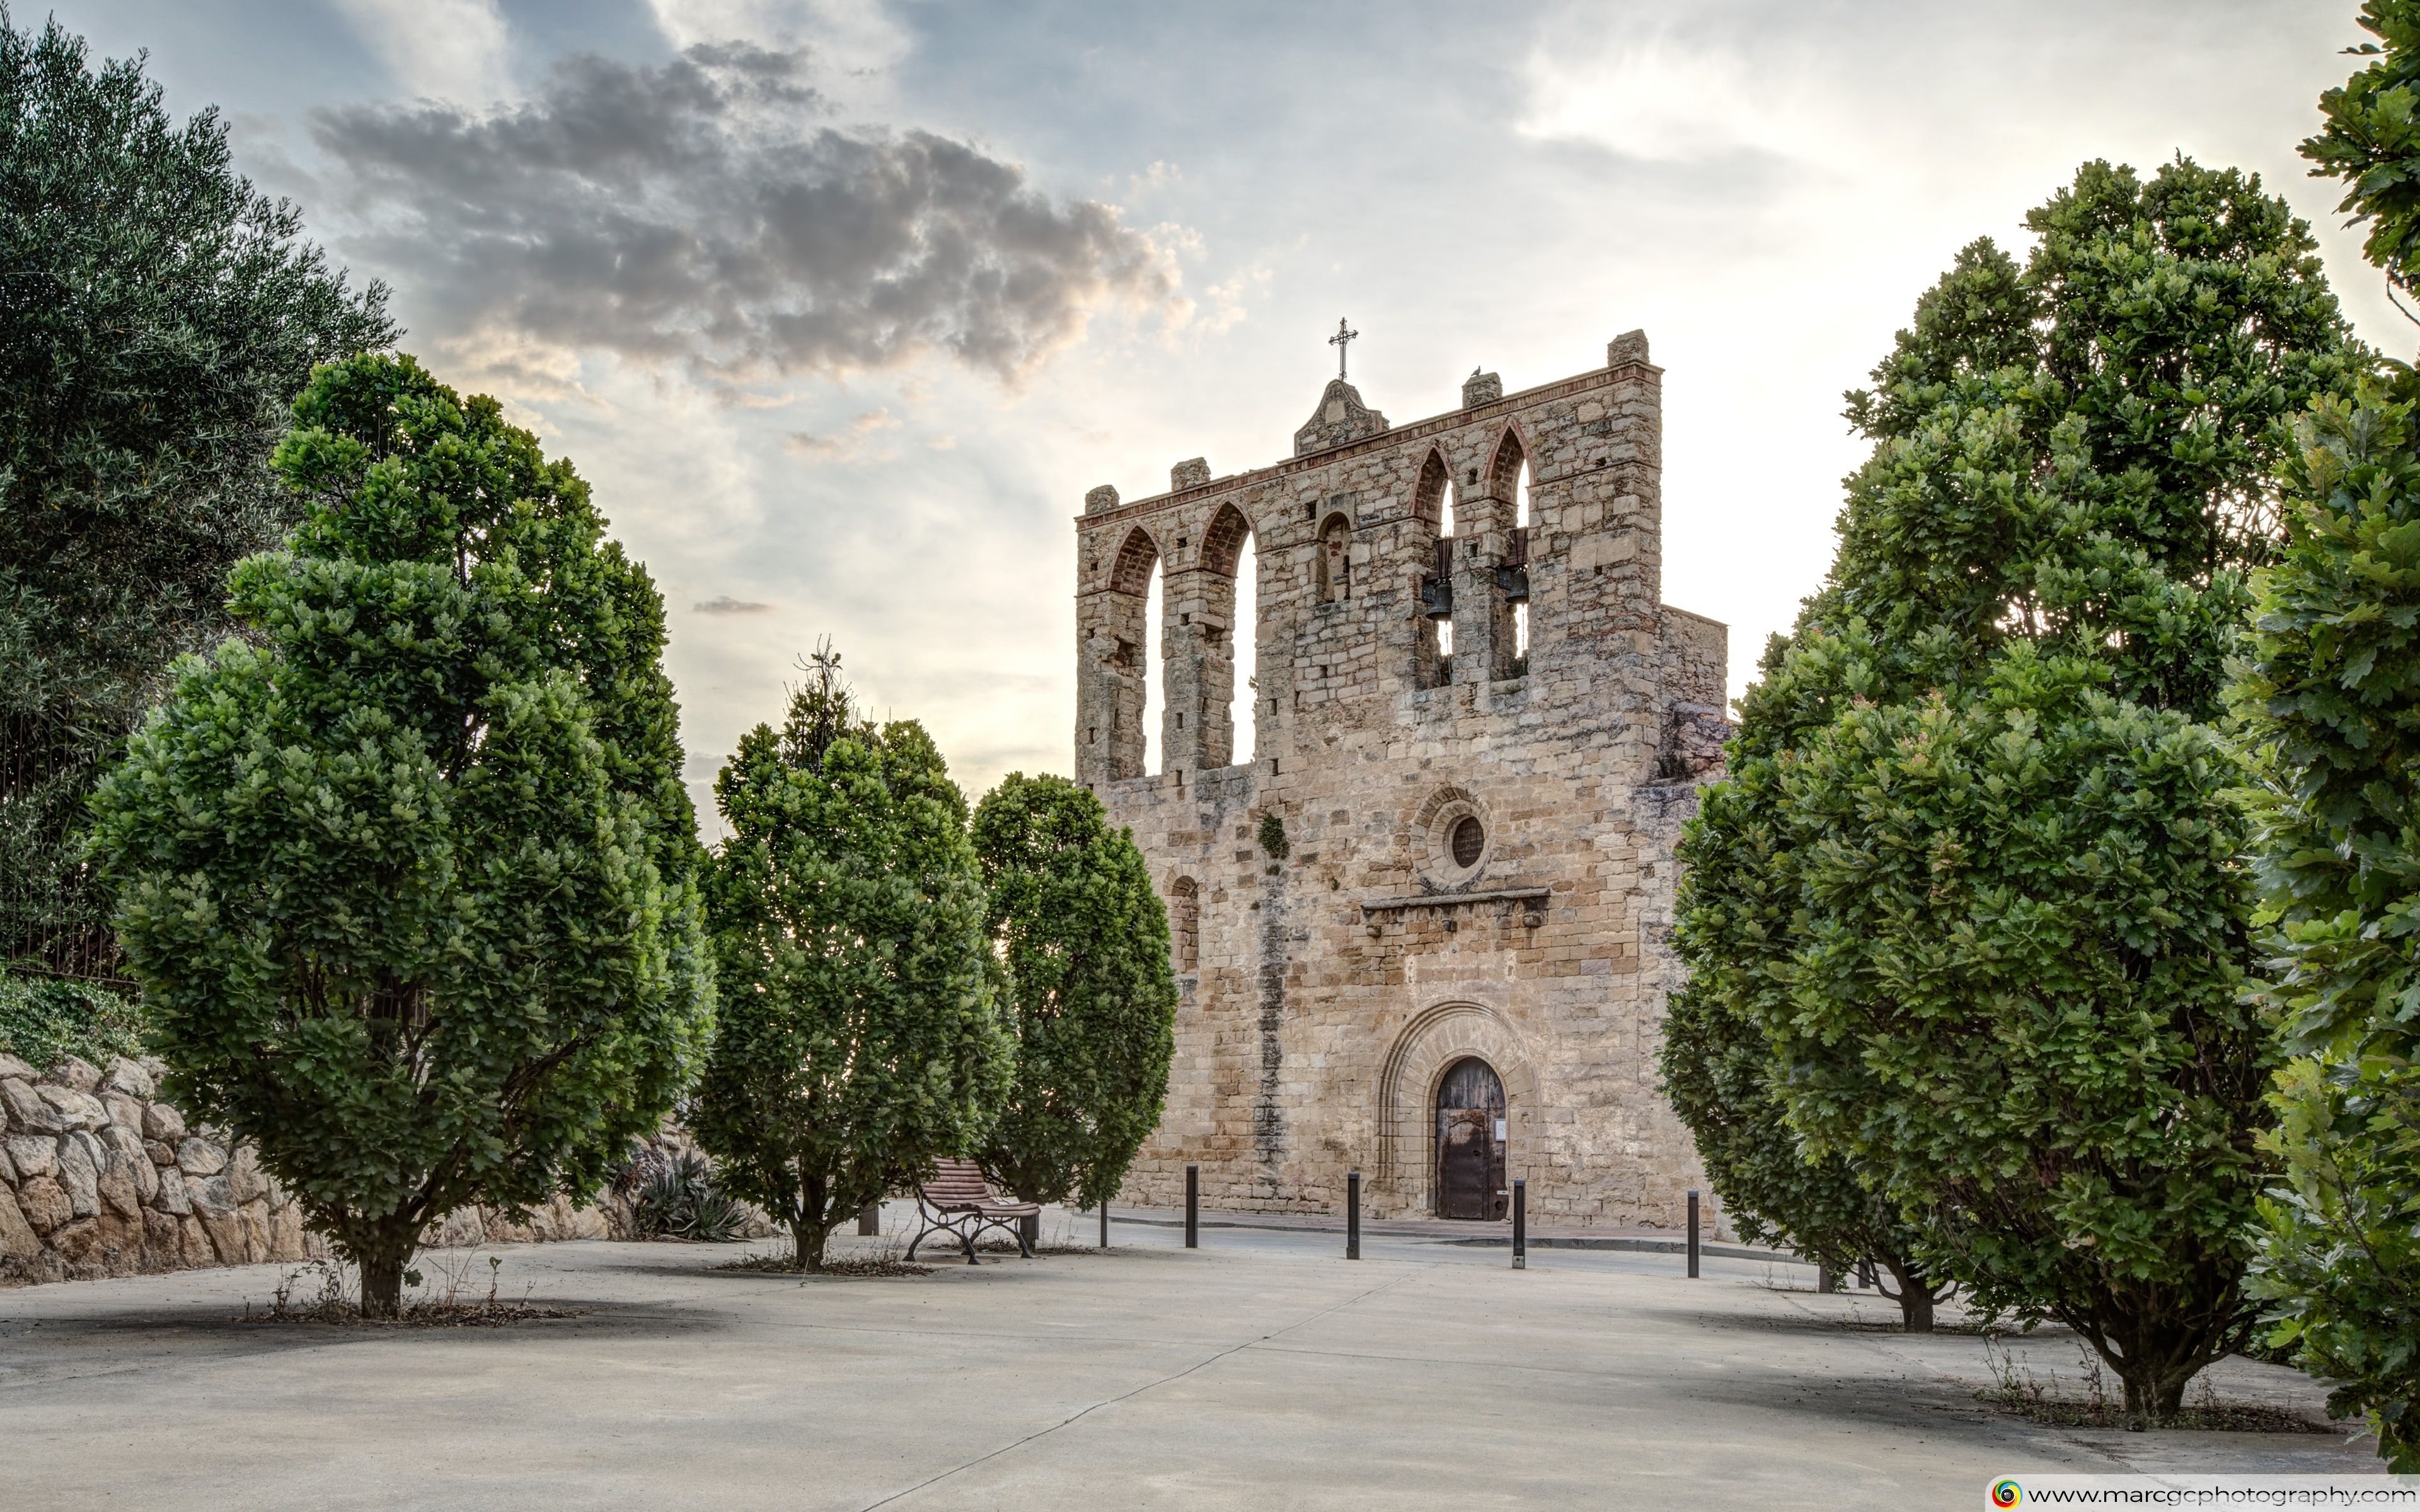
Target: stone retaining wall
[100, 1178]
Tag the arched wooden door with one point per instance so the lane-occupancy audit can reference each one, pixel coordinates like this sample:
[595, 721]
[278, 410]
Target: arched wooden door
[1471, 1142]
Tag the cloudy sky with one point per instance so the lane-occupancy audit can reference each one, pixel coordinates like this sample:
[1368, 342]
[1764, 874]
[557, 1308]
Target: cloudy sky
[843, 305]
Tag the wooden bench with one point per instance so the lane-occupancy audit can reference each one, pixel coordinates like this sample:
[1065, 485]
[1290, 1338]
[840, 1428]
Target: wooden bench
[957, 1201]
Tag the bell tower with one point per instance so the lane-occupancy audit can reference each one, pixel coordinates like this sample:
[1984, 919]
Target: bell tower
[1452, 845]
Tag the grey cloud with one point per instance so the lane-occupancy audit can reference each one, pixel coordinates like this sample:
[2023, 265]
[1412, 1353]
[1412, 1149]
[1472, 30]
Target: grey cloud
[728, 604]
[706, 212]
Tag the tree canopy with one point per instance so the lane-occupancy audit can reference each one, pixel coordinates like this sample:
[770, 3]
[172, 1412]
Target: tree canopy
[2372, 138]
[157, 317]
[408, 875]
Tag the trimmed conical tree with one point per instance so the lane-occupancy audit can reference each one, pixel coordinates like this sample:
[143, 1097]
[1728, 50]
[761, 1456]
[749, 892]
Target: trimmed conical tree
[1998, 937]
[407, 876]
[859, 1039]
[1093, 996]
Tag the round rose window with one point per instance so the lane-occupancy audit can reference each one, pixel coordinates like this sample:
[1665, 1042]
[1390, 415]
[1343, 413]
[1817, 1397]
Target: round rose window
[1469, 838]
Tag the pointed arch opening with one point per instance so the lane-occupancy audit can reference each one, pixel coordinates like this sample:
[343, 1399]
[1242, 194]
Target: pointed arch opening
[1517, 560]
[1230, 639]
[1132, 626]
[1505, 468]
[1508, 510]
[1432, 584]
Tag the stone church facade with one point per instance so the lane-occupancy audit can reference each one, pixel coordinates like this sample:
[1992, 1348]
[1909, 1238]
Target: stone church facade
[1467, 889]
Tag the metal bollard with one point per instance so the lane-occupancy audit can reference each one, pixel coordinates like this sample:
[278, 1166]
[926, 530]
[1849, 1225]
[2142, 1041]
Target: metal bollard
[1105, 1223]
[1353, 1215]
[1520, 1223]
[1692, 1233]
[1193, 1207]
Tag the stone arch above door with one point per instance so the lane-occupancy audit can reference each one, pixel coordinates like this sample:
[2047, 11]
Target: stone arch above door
[1407, 1087]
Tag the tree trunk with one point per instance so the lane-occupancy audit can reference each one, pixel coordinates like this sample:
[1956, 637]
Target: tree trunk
[1915, 1297]
[813, 1221]
[382, 1259]
[807, 1237]
[2155, 1390]
[2154, 1357]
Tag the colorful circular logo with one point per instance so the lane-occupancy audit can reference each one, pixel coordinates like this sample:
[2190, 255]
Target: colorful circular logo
[2007, 1493]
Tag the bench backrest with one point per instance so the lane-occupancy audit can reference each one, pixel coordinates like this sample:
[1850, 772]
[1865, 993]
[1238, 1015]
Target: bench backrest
[955, 1181]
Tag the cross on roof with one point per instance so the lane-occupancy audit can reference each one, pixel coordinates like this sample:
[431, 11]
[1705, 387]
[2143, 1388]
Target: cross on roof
[1338, 341]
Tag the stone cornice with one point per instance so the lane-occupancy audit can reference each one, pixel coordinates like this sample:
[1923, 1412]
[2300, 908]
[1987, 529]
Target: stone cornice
[1447, 900]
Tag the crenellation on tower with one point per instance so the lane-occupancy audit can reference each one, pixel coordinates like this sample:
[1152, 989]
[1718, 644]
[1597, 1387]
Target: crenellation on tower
[1480, 872]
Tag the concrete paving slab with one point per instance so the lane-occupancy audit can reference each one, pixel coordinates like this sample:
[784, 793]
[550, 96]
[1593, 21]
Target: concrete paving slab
[1263, 1371]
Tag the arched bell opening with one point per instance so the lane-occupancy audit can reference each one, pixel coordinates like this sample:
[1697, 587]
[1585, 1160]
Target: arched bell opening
[1433, 506]
[1128, 725]
[1512, 577]
[1508, 503]
[1471, 1142]
[1230, 639]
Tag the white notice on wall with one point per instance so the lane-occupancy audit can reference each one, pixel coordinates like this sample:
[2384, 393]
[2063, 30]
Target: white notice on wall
[1500, 1128]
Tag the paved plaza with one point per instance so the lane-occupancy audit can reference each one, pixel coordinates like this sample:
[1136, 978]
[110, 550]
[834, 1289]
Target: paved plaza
[1261, 1371]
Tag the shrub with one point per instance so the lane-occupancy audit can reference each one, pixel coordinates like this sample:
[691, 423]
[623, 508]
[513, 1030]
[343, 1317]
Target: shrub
[43, 1020]
[680, 1200]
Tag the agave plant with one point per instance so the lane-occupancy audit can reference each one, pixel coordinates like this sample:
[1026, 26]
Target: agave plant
[680, 1200]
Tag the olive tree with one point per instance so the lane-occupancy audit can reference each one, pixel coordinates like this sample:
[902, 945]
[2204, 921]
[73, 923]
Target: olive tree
[407, 873]
[159, 316]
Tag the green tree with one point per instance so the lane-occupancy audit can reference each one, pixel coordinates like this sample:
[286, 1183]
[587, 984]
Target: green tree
[2372, 139]
[2329, 694]
[859, 1038]
[1093, 1000]
[1717, 1070]
[1990, 922]
[157, 316]
[408, 875]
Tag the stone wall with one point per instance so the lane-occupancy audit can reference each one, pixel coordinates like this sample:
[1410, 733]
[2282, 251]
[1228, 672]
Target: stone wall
[98, 1177]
